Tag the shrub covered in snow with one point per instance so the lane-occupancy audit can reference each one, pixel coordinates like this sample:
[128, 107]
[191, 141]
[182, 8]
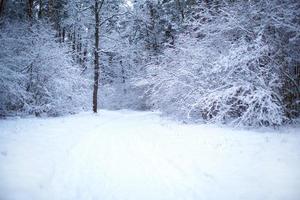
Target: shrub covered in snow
[228, 66]
[37, 74]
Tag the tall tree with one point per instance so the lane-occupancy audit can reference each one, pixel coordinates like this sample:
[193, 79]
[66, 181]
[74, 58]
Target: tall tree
[30, 8]
[1, 6]
[97, 7]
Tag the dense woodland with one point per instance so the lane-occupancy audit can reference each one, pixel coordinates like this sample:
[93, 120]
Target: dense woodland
[219, 61]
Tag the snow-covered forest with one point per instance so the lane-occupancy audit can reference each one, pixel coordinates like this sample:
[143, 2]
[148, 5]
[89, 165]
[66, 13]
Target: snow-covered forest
[149, 99]
[233, 62]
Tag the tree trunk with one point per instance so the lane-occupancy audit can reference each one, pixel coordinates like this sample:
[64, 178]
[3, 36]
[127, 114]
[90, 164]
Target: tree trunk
[63, 35]
[79, 49]
[30, 6]
[181, 9]
[96, 59]
[1, 6]
[74, 45]
[123, 77]
[40, 9]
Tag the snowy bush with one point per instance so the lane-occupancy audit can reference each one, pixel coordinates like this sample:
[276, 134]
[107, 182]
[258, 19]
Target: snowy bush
[37, 73]
[224, 69]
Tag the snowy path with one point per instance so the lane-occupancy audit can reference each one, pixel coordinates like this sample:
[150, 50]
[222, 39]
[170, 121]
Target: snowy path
[139, 156]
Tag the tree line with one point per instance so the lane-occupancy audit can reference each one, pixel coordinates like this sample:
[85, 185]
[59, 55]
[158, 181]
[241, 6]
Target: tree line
[229, 61]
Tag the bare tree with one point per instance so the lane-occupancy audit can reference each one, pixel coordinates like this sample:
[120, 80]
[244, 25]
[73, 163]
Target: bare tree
[97, 7]
[1, 6]
[29, 8]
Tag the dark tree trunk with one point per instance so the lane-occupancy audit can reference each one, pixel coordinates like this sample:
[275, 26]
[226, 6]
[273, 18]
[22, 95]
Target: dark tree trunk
[181, 9]
[63, 35]
[30, 6]
[96, 59]
[74, 53]
[74, 42]
[50, 9]
[79, 49]
[1, 6]
[123, 77]
[40, 9]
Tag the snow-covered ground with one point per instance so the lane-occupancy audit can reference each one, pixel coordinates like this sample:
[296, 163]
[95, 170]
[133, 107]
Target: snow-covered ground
[128, 155]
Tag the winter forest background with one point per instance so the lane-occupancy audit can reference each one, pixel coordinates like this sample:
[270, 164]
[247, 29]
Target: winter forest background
[220, 61]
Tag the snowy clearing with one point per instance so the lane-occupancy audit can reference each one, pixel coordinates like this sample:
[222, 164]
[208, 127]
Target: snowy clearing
[128, 155]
